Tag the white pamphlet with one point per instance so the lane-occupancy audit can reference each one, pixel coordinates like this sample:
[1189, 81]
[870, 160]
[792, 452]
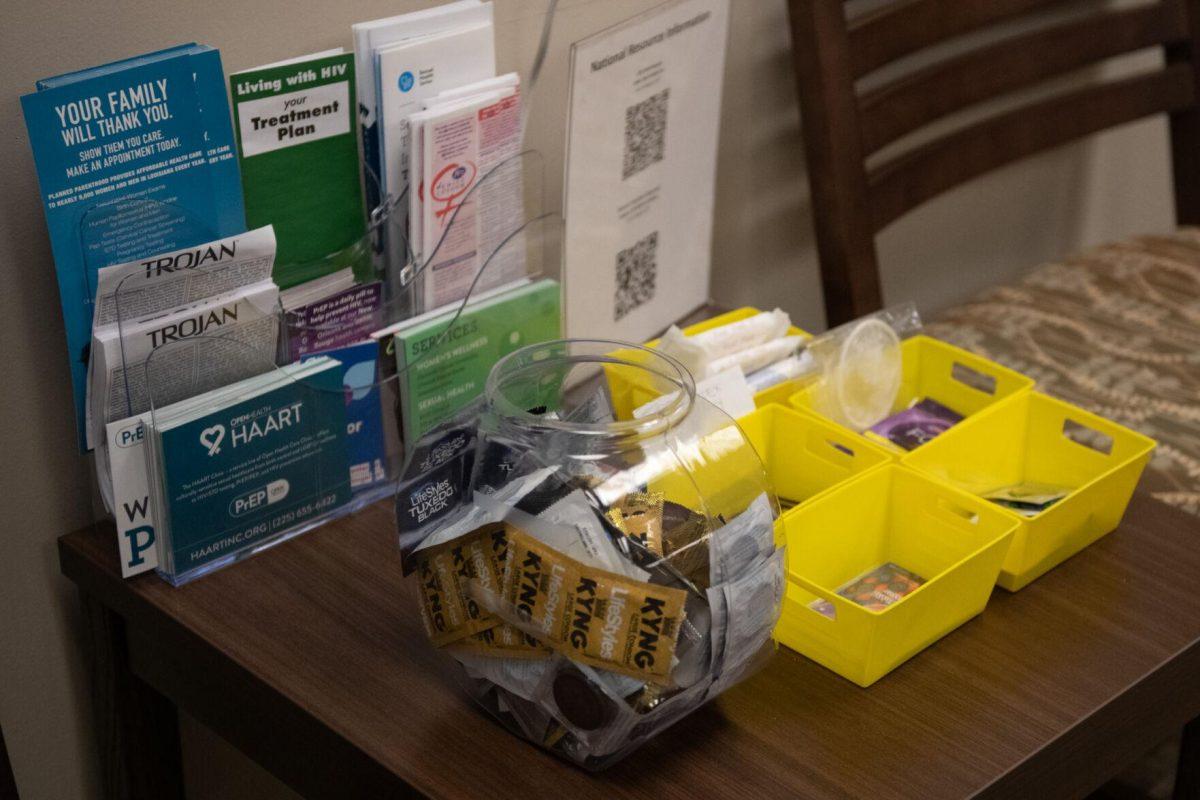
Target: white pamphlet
[411, 72]
[370, 36]
[137, 542]
[727, 390]
[471, 198]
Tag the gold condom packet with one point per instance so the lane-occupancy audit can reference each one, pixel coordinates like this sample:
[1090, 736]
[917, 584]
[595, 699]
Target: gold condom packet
[684, 542]
[597, 617]
[482, 553]
[641, 518]
[537, 579]
[479, 556]
[626, 626]
[447, 611]
[502, 641]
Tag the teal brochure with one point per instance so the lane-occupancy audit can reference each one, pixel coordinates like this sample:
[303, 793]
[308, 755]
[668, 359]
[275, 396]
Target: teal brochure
[240, 475]
[134, 159]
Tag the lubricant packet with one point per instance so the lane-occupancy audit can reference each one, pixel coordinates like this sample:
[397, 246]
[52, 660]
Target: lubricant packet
[742, 542]
[915, 425]
[876, 589]
[1027, 499]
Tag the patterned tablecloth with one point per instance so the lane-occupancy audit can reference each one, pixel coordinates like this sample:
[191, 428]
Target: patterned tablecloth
[1116, 330]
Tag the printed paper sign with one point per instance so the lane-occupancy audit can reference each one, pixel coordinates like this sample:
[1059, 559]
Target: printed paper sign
[281, 121]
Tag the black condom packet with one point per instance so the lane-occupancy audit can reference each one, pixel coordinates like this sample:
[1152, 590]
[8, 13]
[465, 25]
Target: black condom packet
[435, 484]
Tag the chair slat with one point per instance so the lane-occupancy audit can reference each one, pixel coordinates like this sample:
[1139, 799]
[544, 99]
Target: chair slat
[906, 26]
[921, 97]
[842, 218]
[927, 171]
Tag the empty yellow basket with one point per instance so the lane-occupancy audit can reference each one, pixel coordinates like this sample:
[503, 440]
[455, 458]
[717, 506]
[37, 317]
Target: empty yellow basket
[958, 379]
[954, 541]
[805, 455]
[1036, 438]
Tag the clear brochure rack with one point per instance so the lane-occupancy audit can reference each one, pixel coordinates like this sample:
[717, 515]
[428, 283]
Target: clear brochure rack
[235, 438]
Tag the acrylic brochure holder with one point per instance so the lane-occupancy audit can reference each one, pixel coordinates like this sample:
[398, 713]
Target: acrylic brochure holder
[202, 371]
[264, 461]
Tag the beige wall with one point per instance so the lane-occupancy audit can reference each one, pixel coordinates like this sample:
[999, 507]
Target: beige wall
[763, 250]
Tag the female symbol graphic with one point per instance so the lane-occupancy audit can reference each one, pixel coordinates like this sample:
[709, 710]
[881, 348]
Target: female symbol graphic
[449, 185]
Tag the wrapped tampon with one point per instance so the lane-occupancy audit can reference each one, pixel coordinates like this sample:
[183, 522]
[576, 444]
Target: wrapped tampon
[757, 357]
[743, 334]
[699, 352]
[788, 369]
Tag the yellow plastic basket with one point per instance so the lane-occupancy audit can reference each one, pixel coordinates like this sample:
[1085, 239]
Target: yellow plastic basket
[1039, 439]
[628, 392]
[960, 380]
[953, 540]
[805, 455]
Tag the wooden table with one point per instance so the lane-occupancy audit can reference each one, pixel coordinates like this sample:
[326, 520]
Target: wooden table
[311, 659]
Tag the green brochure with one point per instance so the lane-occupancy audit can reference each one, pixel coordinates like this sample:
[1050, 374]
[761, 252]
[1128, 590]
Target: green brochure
[442, 369]
[299, 159]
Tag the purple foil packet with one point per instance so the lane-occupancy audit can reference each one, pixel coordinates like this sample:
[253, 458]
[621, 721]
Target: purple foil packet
[340, 320]
[917, 424]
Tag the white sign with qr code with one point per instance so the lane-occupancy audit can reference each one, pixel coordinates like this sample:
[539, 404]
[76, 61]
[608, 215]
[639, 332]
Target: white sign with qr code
[641, 170]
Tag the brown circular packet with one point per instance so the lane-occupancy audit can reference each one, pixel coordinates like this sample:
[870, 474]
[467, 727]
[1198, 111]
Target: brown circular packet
[582, 704]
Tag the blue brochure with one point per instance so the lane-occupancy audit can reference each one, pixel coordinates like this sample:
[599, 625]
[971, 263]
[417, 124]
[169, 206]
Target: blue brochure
[364, 413]
[134, 158]
[256, 468]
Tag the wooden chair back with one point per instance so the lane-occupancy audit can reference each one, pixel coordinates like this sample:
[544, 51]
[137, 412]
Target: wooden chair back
[846, 125]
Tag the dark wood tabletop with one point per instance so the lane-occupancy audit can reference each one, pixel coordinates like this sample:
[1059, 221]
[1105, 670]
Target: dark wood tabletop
[311, 659]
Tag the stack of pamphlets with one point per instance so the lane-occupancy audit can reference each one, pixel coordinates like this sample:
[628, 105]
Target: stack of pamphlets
[218, 289]
[244, 463]
[330, 312]
[465, 157]
[128, 379]
[302, 295]
[333, 316]
[126, 454]
[133, 158]
[401, 61]
[442, 367]
[299, 160]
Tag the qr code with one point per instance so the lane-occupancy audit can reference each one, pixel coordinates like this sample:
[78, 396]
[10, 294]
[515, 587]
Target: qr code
[637, 270]
[645, 133]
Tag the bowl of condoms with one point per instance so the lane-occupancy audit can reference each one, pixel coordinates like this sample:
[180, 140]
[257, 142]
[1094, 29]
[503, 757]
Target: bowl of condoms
[592, 546]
